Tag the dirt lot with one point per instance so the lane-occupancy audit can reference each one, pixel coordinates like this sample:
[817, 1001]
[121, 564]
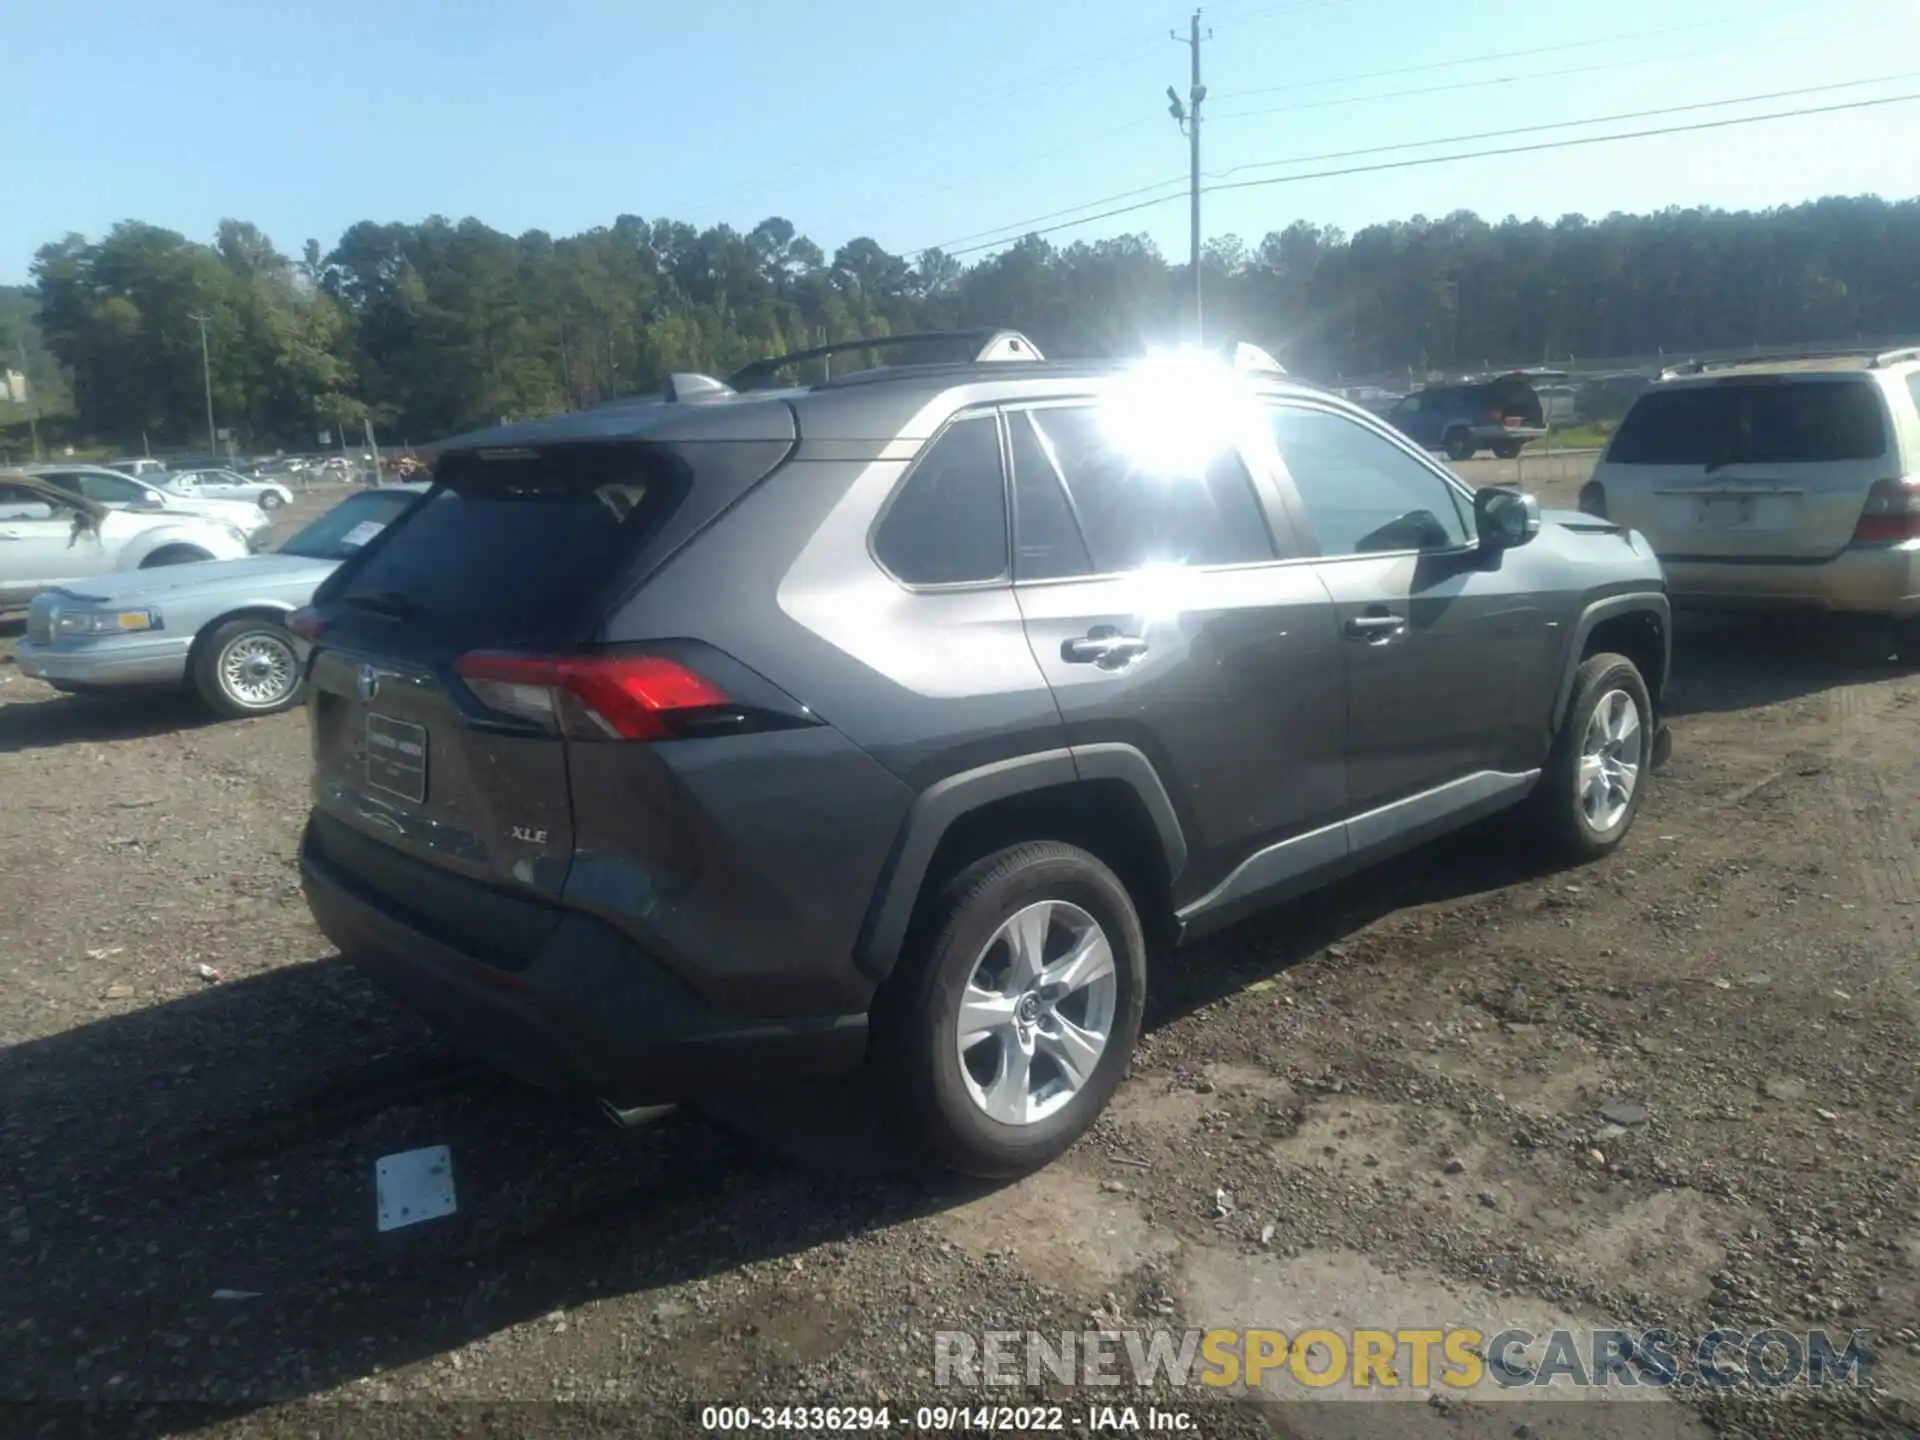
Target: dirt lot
[1379, 1107]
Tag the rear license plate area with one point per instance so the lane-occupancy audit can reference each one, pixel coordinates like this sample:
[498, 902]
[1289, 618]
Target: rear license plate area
[1726, 512]
[397, 757]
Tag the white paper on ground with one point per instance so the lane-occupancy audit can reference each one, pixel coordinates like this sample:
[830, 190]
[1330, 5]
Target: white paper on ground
[413, 1185]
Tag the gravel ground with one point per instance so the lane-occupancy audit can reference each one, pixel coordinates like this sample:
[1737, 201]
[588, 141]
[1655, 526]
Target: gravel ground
[1382, 1106]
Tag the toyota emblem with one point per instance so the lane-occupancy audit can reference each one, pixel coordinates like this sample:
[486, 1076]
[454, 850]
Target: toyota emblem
[369, 683]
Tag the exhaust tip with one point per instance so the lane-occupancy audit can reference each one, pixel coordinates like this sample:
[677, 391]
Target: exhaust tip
[633, 1116]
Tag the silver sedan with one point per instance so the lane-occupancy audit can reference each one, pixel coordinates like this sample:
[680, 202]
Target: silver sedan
[218, 627]
[226, 485]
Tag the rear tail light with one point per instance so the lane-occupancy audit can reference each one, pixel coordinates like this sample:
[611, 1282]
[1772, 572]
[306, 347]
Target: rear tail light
[1497, 415]
[1593, 499]
[1512, 422]
[592, 697]
[307, 624]
[1891, 514]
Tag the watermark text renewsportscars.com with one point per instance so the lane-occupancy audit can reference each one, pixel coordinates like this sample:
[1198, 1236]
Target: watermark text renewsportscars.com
[1412, 1361]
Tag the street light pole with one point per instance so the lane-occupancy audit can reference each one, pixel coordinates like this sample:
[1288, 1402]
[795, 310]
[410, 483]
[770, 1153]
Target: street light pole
[206, 374]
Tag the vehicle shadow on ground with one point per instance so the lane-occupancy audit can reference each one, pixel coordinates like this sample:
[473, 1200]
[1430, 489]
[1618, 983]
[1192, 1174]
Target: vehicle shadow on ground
[46, 724]
[190, 1207]
[1726, 663]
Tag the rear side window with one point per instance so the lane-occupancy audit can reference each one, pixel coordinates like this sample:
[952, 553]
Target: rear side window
[511, 548]
[1753, 422]
[948, 523]
[1132, 516]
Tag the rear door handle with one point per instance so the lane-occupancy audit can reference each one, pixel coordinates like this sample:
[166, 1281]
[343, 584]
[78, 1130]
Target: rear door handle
[1104, 646]
[1376, 629]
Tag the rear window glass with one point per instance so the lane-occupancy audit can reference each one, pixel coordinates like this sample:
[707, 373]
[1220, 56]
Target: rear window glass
[513, 547]
[1779, 422]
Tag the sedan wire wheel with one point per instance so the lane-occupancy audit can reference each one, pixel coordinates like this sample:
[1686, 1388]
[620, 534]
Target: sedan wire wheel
[1609, 760]
[1037, 1012]
[257, 670]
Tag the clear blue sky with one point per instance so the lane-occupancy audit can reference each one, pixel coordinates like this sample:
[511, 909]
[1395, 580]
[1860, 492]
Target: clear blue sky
[915, 123]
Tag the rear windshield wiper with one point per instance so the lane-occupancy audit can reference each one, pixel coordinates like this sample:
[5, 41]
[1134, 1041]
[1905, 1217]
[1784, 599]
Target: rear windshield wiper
[390, 603]
[1725, 460]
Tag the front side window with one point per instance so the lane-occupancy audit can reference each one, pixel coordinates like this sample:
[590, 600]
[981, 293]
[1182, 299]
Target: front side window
[1134, 514]
[948, 524]
[1362, 493]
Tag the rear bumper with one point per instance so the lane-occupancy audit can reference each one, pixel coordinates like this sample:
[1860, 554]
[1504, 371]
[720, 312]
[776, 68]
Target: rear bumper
[1868, 580]
[590, 1010]
[111, 663]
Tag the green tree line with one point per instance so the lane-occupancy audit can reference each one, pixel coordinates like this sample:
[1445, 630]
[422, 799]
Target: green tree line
[430, 328]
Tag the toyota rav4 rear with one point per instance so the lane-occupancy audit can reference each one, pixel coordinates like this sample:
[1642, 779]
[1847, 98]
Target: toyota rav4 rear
[514, 820]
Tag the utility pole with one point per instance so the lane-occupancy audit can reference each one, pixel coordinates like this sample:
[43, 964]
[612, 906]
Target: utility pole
[206, 373]
[1188, 115]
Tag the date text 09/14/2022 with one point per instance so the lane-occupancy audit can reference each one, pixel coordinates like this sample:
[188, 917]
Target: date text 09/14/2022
[941, 1419]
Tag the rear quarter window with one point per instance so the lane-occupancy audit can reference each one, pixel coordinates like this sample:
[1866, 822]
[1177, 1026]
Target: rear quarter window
[519, 549]
[1754, 421]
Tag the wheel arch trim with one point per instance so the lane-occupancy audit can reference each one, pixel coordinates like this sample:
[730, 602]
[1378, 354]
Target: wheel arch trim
[1613, 607]
[944, 803]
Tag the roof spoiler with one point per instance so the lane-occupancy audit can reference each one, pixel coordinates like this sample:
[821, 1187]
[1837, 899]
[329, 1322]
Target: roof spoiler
[982, 346]
[686, 387]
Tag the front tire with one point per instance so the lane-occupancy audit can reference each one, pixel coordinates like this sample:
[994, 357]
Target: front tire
[174, 555]
[247, 667]
[1016, 1009]
[1601, 763]
[271, 501]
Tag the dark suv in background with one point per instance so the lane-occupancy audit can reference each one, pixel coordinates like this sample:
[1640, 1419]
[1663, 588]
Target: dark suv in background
[750, 732]
[1500, 415]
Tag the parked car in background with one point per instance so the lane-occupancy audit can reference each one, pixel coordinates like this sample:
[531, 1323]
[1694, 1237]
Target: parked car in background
[1500, 415]
[668, 745]
[227, 485]
[218, 628]
[50, 537]
[124, 492]
[1773, 484]
[138, 465]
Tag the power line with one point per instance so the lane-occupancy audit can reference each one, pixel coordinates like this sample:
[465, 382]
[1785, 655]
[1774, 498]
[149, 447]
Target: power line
[1697, 125]
[1468, 155]
[1553, 125]
[1487, 58]
[1537, 75]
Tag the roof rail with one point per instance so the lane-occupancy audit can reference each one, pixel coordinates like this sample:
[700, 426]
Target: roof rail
[686, 387]
[981, 345]
[1775, 357]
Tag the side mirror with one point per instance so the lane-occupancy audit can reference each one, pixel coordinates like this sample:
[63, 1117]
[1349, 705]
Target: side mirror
[1504, 518]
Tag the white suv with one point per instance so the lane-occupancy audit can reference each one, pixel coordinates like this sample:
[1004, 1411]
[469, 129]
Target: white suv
[1779, 483]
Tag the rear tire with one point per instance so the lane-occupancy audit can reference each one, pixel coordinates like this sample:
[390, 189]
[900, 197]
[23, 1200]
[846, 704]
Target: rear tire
[1458, 445]
[1507, 450]
[1602, 760]
[1015, 1010]
[247, 666]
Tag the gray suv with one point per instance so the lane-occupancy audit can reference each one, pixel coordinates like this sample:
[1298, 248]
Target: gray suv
[770, 727]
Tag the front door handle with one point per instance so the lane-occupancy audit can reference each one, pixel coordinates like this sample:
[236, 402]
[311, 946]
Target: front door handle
[1104, 646]
[1376, 629]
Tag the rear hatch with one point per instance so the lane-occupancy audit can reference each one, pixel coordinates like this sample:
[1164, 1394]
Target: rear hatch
[1513, 403]
[1751, 466]
[516, 556]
